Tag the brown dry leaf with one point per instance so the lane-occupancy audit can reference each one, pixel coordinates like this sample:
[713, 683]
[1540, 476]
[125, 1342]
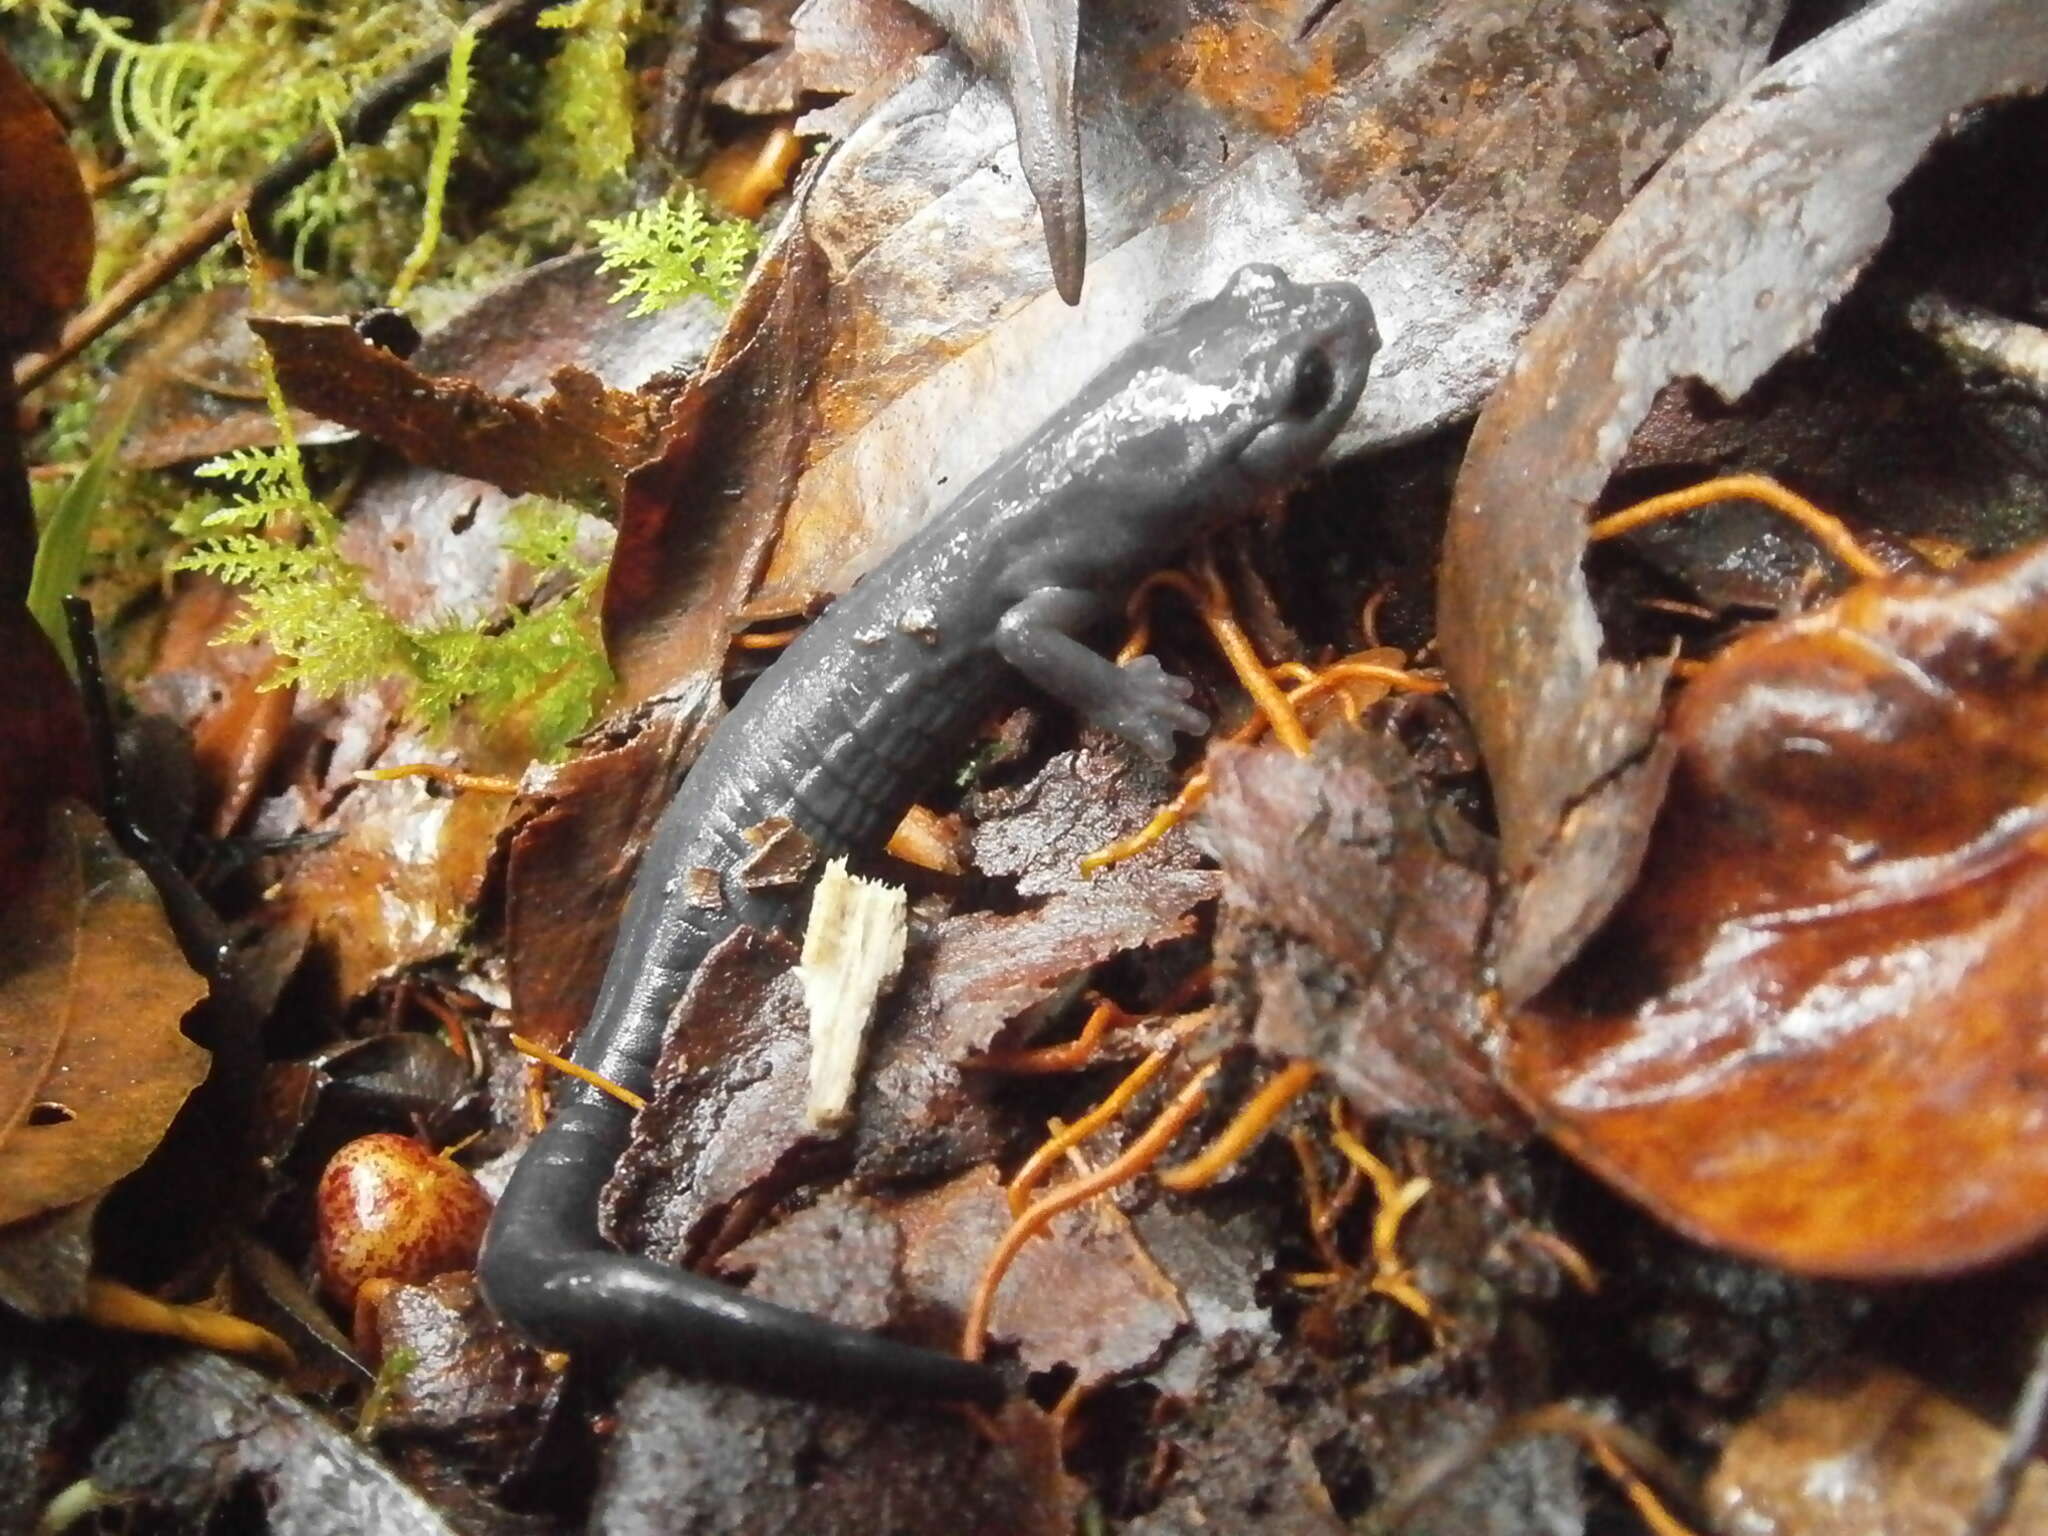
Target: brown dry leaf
[857, 48]
[92, 1063]
[47, 757]
[474, 1384]
[1814, 1032]
[47, 256]
[695, 524]
[579, 830]
[1351, 923]
[582, 437]
[1863, 1449]
[726, 1114]
[1737, 248]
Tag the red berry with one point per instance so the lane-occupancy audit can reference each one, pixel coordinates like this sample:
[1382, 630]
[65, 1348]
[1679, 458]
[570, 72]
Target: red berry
[389, 1208]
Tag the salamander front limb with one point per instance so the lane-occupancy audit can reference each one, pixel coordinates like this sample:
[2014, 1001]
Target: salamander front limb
[1143, 702]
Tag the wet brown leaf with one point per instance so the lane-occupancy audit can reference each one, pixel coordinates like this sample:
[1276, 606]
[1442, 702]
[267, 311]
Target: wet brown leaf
[580, 828]
[1814, 1030]
[711, 1460]
[1738, 247]
[1455, 167]
[695, 523]
[1084, 1293]
[93, 1066]
[1863, 1449]
[581, 437]
[473, 1384]
[1351, 923]
[47, 257]
[198, 1428]
[201, 393]
[48, 758]
[726, 1114]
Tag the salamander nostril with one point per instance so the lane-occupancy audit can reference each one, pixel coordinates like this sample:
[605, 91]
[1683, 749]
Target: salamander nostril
[1314, 384]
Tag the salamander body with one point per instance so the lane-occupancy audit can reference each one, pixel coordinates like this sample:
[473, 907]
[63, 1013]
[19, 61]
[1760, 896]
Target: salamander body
[1182, 431]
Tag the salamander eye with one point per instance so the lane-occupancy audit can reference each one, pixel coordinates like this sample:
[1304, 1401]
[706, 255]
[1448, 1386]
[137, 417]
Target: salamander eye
[1314, 383]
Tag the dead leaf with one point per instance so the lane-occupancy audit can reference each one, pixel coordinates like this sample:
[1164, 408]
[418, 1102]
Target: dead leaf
[726, 1114]
[582, 437]
[95, 1066]
[579, 829]
[1454, 168]
[1813, 1032]
[696, 522]
[1738, 247]
[199, 1429]
[48, 255]
[48, 757]
[1862, 1449]
[474, 1385]
[857, 48]
[1352, 919]
[710, 1460]
[1084, 1293]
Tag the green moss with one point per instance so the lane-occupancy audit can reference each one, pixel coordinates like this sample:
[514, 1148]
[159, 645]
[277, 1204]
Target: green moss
[538, 675]
[672, 249]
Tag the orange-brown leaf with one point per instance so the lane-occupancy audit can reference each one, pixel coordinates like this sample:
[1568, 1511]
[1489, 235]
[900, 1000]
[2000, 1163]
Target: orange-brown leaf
[93, 1065]
[47, 256]
[1817, 1034]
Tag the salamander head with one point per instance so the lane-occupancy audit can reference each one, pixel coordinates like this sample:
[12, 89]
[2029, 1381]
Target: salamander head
[1284, 364]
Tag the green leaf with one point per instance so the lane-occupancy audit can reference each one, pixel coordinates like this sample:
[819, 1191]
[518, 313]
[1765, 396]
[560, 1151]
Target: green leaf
[61, 551]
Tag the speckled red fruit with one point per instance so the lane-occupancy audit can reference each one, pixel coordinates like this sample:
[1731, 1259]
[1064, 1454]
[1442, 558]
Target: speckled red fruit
[388, 1209]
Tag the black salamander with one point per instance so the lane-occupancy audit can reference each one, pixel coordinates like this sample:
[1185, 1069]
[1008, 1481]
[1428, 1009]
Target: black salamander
[1182, 431]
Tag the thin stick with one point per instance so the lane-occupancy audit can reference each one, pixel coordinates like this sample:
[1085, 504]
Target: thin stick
[366, 121]
[440, 773]
[111, 1304]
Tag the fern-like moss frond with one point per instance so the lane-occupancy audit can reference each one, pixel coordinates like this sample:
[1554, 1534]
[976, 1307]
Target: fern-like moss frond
[672, 249]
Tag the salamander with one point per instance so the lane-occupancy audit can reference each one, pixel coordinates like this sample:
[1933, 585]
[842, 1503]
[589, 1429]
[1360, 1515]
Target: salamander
[1185, 429]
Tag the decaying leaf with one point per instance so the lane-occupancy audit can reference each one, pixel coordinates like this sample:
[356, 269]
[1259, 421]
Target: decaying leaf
[696, 523]
[47, 257]
[47, 759]
[575, 846]
[93, 1065]
[1860, 1449]
[1737, 249]
[708, 1460]
[199, 1428]
[1455, 167]
[854, 48]
[1084, 1293]
[581, 438]
[1814, 1032]
[1351, 923]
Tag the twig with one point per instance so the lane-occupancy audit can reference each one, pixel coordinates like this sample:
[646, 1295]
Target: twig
[2023, 1438]
[366, 121]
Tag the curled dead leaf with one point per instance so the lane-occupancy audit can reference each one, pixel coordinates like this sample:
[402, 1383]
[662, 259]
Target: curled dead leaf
[1814, 1030]
[1728, 259]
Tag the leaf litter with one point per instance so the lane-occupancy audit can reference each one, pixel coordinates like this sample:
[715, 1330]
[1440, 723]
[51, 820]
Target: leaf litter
[1331, 1266]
